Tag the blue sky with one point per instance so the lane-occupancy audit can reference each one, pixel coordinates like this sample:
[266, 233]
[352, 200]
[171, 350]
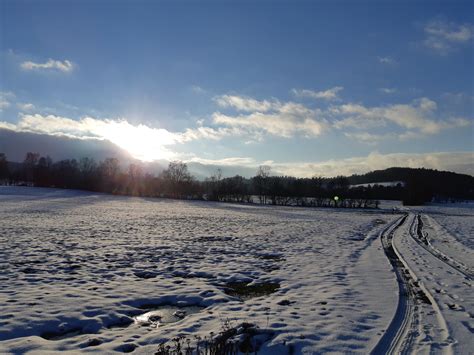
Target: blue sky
[308, 87]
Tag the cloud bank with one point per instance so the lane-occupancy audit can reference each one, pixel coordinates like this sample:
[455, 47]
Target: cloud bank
[253, 120]
[450, 161]
[460, 162]
[16, 144]
[141, 141]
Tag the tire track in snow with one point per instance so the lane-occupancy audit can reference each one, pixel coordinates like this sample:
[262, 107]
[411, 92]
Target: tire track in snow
[393, 337]
[402, 332]
[416, 232]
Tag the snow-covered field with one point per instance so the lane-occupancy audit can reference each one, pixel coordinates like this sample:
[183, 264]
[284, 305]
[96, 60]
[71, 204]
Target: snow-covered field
[81, 272]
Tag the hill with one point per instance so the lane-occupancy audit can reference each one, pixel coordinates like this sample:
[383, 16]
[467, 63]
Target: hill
[421, 184]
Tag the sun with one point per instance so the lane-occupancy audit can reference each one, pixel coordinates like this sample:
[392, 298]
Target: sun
[142, 142]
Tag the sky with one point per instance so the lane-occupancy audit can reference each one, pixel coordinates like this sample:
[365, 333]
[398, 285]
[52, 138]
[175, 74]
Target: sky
[309, 88]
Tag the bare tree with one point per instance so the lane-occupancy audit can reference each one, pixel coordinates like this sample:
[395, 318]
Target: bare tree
[135, 172]
[110, 167]
[264, 171]
[215, 185]
[177, 177]
[88, 170]
[109, 171]
[261, 182]
[135, 179]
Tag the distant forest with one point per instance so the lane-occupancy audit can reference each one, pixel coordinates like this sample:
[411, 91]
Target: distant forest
[418, 185]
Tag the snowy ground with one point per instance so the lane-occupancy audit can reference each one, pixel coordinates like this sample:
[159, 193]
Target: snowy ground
[79, 270]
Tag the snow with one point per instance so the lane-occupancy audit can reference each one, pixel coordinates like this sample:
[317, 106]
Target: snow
[450, 289]
[81, 271]
[457, 220]
[383, 183]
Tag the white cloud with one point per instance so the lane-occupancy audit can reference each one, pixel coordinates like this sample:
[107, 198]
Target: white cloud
[368, 138]
[443, 37]
[5, 98]
[388, 90]
[358, 122]
[4, 104]
[26, 106]
[198, 90]
[458, 98]
[259, 117]
[409, 135]
[274, 124]
[234, 161]
[210, 133]
[283, 120]
[7, 125]
[329, 95]
[355, 116]
[65, 66]
[418, 115]
[246, 104]
[387, 60]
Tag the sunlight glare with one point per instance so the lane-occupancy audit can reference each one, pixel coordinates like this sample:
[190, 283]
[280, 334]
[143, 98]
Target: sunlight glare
[142, 142]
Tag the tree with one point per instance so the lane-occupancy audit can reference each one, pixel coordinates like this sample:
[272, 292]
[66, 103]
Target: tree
[317, 184]
[66, 174]
[177, 178]
[417, 191]
[135, 177]
[261, 182]
[215, 185]
[109, 171]
[416, 186]
[4, 173]
[43, 171]
[29, 165]
[109, 168]
[275, 188]
[88, 170]
[234, 189]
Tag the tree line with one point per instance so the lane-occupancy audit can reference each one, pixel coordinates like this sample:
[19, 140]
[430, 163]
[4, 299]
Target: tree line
[177, 182]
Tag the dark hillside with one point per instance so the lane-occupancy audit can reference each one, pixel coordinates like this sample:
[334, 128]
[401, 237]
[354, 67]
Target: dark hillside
[422, 184]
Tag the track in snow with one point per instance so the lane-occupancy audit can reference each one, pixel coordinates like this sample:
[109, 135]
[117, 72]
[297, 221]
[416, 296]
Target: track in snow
[416, 232]
[401, 333]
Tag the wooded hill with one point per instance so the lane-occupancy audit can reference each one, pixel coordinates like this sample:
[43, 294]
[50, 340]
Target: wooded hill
[422, 183]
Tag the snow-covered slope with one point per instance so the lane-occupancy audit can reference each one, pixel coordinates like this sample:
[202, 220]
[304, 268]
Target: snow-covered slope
[78, 270]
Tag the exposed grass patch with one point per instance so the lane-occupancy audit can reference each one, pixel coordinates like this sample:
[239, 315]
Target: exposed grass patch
[273, 257]
[245, 338]
[245, 291]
